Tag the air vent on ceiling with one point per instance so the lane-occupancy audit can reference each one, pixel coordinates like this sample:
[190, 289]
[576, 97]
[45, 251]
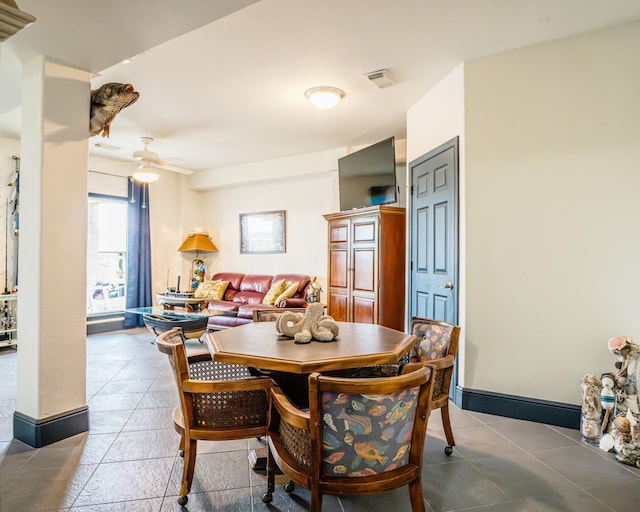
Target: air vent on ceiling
[382, 78]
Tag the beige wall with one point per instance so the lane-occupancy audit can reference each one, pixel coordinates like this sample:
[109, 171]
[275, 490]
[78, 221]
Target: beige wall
[305, 197]
[437, 118]
[552, 213]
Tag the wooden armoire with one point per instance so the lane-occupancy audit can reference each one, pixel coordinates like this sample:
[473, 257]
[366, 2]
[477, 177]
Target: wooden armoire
[366, 274]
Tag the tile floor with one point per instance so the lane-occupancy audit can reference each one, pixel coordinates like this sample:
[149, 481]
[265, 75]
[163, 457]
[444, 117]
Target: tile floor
[128, 462]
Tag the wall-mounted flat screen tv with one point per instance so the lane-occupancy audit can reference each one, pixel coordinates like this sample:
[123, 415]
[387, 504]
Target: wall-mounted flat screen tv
[368, 177]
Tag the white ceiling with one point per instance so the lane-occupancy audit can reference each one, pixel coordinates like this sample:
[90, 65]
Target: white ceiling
[223, 82]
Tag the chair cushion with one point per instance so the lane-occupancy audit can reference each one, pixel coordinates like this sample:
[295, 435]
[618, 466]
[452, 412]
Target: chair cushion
[366, 435]
[433, 342]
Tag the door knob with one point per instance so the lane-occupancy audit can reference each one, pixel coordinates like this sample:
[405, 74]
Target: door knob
[447, 286]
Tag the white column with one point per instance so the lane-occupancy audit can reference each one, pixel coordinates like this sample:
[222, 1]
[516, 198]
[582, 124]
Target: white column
[51, 397]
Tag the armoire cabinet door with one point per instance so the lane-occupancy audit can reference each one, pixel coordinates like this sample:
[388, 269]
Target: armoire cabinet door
[356, 252]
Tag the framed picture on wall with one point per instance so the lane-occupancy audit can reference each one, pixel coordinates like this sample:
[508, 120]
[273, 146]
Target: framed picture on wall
[263, 232]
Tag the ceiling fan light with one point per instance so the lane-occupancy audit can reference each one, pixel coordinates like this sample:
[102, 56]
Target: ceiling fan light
[324, 97]
[144, 174]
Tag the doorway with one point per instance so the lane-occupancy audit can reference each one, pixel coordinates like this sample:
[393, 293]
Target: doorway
[433, 234]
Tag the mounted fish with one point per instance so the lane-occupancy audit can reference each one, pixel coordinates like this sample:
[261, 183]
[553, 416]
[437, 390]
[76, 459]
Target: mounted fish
[106, 102]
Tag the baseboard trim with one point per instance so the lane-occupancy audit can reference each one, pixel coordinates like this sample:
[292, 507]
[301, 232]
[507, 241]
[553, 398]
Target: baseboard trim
[518, 407]
[101, 325]
[42, 432]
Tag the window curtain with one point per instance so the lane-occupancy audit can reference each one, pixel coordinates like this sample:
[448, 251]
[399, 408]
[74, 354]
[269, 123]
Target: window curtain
[139, 253]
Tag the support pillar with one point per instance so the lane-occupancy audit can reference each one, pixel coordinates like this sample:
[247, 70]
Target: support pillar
[51, 399]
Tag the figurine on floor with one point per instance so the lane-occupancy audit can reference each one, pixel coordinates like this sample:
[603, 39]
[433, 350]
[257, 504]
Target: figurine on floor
[607, 399]
[591, 407]
[625, 427]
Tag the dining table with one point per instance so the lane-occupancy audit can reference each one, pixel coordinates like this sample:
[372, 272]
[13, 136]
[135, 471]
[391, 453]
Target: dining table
[260, 346]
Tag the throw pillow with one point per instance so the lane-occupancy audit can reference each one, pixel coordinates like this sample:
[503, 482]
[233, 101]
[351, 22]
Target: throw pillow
[276, 289]
[289, 291]
[212, 290]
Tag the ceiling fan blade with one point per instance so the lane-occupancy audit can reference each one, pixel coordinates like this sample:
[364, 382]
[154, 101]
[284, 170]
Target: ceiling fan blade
[172, 168]
[109, 147]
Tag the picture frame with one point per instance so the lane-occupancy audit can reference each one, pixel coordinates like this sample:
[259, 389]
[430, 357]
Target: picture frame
[263, 232]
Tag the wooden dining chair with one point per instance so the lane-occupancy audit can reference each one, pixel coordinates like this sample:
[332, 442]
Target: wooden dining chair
[359, 436]
[218, 402]
[437, 345]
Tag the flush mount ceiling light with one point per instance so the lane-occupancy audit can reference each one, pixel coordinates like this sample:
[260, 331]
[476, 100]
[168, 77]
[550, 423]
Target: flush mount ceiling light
[324, 97]
[144, 174]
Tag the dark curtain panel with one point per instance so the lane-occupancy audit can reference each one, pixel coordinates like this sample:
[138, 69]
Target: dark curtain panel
[139, 253]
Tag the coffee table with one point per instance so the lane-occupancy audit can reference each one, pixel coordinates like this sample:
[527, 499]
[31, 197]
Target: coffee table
[177, 300]
[192, 324]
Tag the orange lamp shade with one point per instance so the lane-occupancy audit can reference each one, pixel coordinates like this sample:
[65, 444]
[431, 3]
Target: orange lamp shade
[197, 242]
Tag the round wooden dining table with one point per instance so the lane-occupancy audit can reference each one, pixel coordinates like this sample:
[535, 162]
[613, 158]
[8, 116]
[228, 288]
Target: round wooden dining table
[259, 345]
[289, 364]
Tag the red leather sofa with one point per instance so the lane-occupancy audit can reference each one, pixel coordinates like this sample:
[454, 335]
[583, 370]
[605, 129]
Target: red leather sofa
[245, 294]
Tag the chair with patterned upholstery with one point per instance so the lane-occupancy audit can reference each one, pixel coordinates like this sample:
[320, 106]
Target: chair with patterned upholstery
[218, 402]
[437, 345]
[359, 437]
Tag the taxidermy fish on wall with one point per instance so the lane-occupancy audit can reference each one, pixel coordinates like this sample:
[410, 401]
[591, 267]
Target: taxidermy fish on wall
[106, 102]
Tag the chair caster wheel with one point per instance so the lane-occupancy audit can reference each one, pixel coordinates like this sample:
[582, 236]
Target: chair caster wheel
[182, 500]
[448, 450]
[181, 453]
[267, 497]
[289, 486]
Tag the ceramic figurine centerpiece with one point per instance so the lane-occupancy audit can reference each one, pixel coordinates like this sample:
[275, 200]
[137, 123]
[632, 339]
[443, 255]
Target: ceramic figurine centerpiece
[312, 325]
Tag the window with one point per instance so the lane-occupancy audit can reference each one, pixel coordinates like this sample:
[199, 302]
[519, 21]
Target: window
[106, 254]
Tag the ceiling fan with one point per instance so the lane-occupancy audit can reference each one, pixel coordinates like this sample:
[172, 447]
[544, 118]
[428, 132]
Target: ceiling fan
[150, 159]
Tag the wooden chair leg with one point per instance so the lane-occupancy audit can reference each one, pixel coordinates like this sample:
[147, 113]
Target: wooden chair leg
[316, 500]
[181, 447]
[187, 471]
[446, 424]
[415, 493]
[267, 497]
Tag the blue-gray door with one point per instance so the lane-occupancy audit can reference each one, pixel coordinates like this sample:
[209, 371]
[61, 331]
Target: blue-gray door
[433, 242]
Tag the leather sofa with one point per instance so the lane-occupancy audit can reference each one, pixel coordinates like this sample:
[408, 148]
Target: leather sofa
[245, 294]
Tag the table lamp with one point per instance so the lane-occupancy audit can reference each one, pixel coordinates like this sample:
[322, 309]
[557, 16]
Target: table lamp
[197, 242]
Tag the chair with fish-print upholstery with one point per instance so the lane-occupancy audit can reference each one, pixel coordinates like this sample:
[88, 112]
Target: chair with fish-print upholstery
[437, 345]
[358, 437]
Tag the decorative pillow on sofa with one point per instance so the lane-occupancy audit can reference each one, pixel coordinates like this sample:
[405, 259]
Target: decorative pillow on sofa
[212, 290]
[288, 292]
[276, 289]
